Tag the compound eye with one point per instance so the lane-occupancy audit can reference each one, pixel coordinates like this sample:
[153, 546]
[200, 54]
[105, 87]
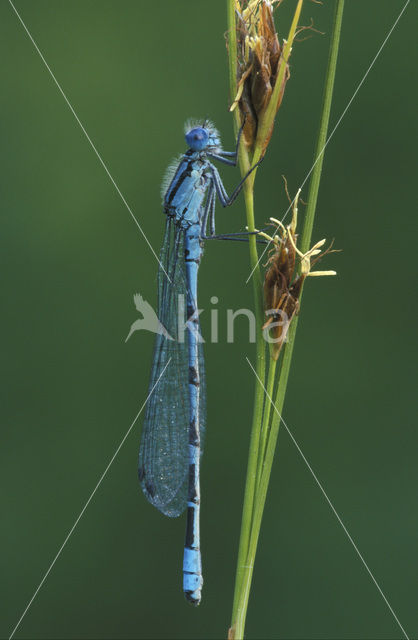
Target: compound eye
[197, 138]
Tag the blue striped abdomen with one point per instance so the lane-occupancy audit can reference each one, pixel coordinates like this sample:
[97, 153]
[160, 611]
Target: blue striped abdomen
[192, 564]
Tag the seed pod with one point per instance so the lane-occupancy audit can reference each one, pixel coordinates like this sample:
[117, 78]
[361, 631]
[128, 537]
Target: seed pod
[258, 54]
[282, 285]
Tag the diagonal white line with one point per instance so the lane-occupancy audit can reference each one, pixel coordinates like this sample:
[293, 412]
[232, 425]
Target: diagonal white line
[329, 501]
[86, 505]
[88, 137]
[334, 129]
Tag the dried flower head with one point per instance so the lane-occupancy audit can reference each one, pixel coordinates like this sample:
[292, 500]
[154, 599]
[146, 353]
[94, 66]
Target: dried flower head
[282, 287]
[259, 56]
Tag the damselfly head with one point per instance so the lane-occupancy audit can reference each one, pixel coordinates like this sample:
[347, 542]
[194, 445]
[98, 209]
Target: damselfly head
[197, 138]
[202, 135]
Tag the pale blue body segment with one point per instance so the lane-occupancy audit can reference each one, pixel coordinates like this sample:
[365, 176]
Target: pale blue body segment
[173, 430]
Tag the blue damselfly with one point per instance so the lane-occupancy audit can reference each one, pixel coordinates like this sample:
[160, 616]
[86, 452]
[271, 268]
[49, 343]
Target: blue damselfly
[173, 430]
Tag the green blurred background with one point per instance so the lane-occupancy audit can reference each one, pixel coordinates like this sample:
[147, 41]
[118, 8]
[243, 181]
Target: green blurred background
[71, 259]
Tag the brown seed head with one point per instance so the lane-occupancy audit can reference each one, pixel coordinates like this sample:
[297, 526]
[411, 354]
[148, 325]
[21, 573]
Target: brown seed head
[259, 52]
[282, 285]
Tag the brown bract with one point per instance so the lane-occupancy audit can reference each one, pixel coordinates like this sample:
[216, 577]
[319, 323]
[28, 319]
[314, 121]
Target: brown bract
[281, 289]
[259, 52]
[287, 269]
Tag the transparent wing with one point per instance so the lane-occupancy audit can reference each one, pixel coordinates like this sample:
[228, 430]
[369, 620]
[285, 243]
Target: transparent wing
[163, 455]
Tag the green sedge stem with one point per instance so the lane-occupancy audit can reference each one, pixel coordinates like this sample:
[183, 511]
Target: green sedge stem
[250, 484]
[259, 465]
[266, 419]
[244, 163]
[323, 127]
[306, 240]
[312, 200]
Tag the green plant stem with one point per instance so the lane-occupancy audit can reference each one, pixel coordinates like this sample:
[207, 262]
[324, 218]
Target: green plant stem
[323, 127]
[247, 564]
[260, 422]
[266, 418]
[263, 471]
[251, 477]
[244, 163]
[311, 208]
[252, 513]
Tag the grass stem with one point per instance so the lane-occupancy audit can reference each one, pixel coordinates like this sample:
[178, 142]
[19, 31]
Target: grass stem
[266, 420]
